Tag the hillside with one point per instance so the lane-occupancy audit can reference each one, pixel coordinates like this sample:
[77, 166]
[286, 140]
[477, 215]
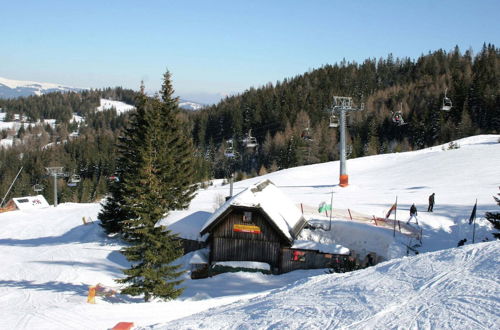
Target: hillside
[50, 257]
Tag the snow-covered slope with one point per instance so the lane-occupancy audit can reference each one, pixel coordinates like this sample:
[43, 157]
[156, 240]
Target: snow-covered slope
[17, 88]
[119, 106]
[49, 257]
[189, 105]
[452, 289]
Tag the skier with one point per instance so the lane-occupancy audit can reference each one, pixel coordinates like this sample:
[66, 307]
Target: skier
[431, 203]
[413, 214]
[462, 242]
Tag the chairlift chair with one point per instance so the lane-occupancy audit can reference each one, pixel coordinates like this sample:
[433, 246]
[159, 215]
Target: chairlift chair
[113, 178]
[334, 121]
[73, 180]
[446, 103]
[306, 135]
[397, 118]
[38, 187]
[250, 141]
[229, 151]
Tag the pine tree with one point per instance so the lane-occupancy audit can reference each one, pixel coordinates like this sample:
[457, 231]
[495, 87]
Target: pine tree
[494, 218]
[157, 171]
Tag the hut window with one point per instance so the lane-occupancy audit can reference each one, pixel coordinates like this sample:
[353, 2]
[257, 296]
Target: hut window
[247, 216]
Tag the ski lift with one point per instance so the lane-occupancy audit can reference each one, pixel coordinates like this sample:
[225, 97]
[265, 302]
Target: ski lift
[397, 117]
[113, 178]
[38, 187]
[73, 180]
[334, 121]
[250, 141]
[229, 151]
[446, 102]
[306, 134]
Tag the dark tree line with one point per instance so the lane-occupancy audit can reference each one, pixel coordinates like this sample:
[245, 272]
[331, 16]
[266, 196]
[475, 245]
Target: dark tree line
[288, 118]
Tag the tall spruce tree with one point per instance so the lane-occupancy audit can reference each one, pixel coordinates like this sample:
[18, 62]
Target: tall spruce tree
[157, 171]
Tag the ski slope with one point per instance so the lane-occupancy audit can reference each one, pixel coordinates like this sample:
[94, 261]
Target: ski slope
[50, 258]
[451, 289]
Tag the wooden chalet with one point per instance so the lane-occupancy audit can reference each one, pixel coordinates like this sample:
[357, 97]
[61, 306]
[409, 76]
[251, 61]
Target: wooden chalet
[261, 224]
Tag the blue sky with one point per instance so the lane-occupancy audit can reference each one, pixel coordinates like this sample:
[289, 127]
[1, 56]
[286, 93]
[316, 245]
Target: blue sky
[215, 48]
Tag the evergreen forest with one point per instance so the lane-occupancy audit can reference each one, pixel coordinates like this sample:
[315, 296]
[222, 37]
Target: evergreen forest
[289, 120]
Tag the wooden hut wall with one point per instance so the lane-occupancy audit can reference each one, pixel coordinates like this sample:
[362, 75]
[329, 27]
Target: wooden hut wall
[262, 245]
[292, 259]
[190, 245]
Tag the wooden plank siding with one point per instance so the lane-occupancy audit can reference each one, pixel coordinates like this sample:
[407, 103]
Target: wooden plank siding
[189, 245]
[229, 245]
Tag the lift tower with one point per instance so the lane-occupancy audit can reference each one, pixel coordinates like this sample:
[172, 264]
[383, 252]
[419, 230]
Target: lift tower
[55, 172]
[342, 105]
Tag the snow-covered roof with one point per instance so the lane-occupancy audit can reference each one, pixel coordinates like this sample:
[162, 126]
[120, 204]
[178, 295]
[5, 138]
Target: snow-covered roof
[30, 202]
[266, 196]
[199, 257]
[325, 248]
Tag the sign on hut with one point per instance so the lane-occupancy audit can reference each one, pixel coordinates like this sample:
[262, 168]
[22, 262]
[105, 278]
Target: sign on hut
[25, 203]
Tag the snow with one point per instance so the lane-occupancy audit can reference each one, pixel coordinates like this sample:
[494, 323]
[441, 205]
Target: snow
[21, 83]
[244, 264]
[272, 201]
[325, 248]
[199, 257]
[50, 258]
[188, 105]
[119, 106]
[451, 289]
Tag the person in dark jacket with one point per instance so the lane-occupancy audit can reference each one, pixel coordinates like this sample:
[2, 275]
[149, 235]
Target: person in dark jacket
[461, 242]
[431, 203]
[413, 214]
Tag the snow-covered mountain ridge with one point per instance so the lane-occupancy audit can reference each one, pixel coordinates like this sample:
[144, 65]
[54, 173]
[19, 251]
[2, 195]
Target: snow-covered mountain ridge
[190, 105]
[10, 88]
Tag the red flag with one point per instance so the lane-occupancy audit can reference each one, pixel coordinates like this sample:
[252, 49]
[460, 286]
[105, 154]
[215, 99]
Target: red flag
[393, 207]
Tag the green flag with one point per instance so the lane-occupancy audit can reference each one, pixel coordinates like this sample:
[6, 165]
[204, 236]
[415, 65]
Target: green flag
[323, 207]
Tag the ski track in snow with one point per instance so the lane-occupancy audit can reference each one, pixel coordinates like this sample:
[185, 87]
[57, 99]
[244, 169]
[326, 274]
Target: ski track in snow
[49, 258]
[437, 290]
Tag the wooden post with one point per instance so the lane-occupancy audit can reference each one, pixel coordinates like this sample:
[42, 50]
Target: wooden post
[350, 215]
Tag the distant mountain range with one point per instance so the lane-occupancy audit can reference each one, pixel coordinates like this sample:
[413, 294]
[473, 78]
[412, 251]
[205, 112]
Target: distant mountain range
[17, 88]
[10, 88]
